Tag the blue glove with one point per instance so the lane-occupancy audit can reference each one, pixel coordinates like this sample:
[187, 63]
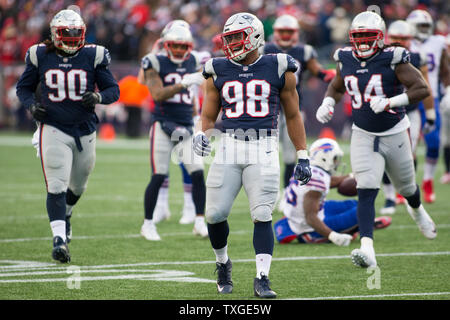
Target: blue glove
[201, 144]
[428, 127]
[302, 171]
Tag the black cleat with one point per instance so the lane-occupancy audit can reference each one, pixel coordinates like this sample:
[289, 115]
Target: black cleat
[60, 250]
[262, 289]
[68, 228]
[224, 283]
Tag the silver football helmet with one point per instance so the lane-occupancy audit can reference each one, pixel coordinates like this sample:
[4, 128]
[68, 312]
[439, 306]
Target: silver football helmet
[285, 30]
[400, 32]
[68, 31]
[243, 32]
[325, 153]
[367, 33]
[422, 24]
[175, 23]
[178, 43]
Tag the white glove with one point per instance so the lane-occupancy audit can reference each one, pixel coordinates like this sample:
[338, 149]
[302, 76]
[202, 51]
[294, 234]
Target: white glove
[445, 102]
[326, 110]
[192, 79]
[340, 239]
[378, 104]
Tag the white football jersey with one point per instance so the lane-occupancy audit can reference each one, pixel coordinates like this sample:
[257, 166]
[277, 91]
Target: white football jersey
[432, 50]
[295, 193]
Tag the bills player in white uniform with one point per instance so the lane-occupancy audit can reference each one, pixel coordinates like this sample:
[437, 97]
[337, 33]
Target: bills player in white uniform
[162, 210]
[374, 76]
[250, 89]
[434, 48]
[308, 216]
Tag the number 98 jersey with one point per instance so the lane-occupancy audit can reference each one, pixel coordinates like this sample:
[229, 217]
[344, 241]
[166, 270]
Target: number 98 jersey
[250, 94]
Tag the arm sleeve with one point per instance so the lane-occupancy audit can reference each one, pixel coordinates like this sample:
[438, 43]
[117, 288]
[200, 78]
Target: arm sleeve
[29, 80]
[107, 84]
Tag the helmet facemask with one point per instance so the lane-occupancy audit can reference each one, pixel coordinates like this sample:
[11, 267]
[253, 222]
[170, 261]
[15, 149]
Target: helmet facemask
[178, 51]
[285, 37]
[68, 39]
[366, 42]
[236, 44]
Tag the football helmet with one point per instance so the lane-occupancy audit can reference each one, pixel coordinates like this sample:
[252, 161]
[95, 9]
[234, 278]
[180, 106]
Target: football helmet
[175, 23]
[326, 154]
[400, 32]
[422, 24]
[367, 33]
[242, 33]
[285, 30]
[68, 31]
[178, 43]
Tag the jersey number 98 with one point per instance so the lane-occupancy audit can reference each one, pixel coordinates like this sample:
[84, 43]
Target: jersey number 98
[257, 93]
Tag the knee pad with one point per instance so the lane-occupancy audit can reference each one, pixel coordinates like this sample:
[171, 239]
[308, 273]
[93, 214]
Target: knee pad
[407, 190]
[262, 213]
[213, 215]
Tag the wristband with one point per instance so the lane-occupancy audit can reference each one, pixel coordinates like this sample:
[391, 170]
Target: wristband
[302, 154]
[430, 114]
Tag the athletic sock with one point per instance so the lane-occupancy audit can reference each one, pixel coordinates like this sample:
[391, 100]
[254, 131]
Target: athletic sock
[366, 211]
[151, 194]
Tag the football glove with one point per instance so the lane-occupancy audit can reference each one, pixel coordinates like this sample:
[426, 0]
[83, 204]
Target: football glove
[340, 239]
[302, 171]
[326, 110]
[378, 104]
[192, 79]
[201, 144]
[90, 99]
[38, 111]
[430, 123]
[327, 75]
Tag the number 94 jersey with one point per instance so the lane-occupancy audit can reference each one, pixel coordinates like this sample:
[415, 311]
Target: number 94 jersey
[365, 79]
[250, 94]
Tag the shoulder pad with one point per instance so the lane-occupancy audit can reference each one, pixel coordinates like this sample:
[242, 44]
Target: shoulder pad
[32, 55]
[285, 63]
[309, 52]
[150, 61]
[399, 55]
[208, 69]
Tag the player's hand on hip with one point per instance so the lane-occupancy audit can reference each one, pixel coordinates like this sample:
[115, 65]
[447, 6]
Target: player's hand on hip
[340, 239]
[192, 79]
[38, 111]
[90, 99]
[326, 110]
[201, 144]
[302, 171]
[379, 104]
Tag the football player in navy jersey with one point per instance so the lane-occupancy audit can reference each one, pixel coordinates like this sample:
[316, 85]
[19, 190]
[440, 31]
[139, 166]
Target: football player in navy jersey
[374, 76]
[249, 88]
[285, 40]
[67, 71]
[169, 77]
[400, 33]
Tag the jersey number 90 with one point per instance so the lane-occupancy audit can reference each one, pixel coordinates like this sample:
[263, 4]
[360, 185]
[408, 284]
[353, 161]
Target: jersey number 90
[254, 101]
[65, 84]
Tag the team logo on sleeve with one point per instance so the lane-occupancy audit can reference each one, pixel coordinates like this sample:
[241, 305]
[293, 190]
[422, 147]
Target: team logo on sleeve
[406, 57]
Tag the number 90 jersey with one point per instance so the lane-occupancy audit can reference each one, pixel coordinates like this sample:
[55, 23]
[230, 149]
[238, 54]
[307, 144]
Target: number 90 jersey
[250, 94]
[372, 77]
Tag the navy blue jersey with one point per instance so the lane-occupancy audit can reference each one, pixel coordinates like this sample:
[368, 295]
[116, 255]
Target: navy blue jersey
[417, 61]
[179, 108]
[250, 95]
[301, 53]
[372, 77]
[63, 81]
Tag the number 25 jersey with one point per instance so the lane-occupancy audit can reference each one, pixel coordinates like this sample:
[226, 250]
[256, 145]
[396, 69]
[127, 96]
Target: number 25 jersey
[250, 94]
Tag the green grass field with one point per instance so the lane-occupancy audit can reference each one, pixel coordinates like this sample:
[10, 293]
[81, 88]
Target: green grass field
[110, 260]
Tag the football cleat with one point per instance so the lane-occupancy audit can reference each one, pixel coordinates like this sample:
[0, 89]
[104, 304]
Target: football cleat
[224, 283]
[363, 258]
[428, 192]
[445, 179]
[261, 288]
[60, 250]
[423, 221]
[389, 207]
[148, 231]
[382, 222]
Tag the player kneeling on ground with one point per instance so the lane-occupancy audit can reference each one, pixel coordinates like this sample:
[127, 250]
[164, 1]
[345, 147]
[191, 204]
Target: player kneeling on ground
[308, 217]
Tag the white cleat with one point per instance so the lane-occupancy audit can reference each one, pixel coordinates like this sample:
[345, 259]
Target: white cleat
[161, 213]
[188, 216]
[363, 259]
[200, 228]
[148, 231]
[423, 221]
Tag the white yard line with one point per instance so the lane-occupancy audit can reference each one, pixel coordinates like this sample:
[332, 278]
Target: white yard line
[416, 294]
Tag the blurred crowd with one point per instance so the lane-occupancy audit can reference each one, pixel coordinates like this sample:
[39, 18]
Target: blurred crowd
[128, 28]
